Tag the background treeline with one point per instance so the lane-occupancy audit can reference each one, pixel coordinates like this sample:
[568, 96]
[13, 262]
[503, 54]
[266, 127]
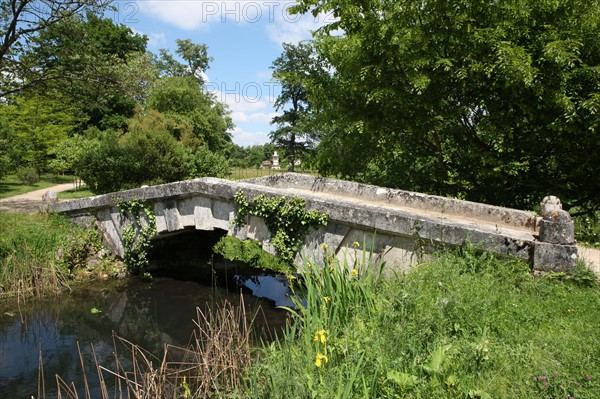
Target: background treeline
[494, 101]
[95, 103]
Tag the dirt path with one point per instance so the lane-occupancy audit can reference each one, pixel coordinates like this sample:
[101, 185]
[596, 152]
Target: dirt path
[32, 201]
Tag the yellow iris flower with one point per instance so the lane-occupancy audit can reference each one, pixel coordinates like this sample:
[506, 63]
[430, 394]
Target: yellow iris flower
[321, 360]
[320, 336]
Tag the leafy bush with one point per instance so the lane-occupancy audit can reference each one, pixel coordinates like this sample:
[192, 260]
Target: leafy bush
[587, 229]
[147, 154]
[204, 162]
[28, 175]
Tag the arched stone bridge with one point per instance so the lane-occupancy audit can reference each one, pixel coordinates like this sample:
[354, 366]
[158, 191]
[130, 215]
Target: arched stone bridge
[399, 226]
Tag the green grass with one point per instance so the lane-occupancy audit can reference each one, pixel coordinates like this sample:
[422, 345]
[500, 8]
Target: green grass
[75, 193]
[28, 247]
[461, 326]
[12, 186]
[42, 253]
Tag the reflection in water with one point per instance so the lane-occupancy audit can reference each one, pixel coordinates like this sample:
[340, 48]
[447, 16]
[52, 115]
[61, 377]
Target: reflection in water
[274, 288]
[149, 314]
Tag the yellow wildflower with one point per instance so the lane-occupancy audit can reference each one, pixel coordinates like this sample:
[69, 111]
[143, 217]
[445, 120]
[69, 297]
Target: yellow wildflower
[321, 336]
[326, 299]
[325, 246]
[354, 273]
[321, 360]
[356, 244]
[187, 392]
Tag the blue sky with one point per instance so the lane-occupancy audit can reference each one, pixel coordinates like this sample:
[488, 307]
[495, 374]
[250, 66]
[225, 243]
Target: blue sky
[243, 38]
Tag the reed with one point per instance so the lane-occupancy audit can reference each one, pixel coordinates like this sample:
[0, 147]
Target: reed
[213, 364]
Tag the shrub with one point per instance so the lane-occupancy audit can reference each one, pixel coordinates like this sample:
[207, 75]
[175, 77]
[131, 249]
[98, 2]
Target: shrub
[203, 162]
[28, 175]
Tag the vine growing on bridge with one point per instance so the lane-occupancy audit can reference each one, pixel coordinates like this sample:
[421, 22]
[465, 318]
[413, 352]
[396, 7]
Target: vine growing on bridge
[287, 219]
[138, 230]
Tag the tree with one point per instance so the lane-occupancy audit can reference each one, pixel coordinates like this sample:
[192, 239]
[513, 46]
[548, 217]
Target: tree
[252, 156]
[35, 125]
[187, 103]
[493, 101]
[293, 133]
[195, 56]
[146, 154]
[203, 162]
[99, 67]
[22, 20]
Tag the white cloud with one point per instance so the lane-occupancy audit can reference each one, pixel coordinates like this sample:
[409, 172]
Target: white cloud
[253, 117]
[157, 40]
[183, 14]
[199, 14]
[247, 138]
[295, 28]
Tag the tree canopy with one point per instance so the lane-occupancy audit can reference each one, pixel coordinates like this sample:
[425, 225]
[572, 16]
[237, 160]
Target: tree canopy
[489, 100]
[294, 134]
[21, 21]
[99, 67]
[91, 100]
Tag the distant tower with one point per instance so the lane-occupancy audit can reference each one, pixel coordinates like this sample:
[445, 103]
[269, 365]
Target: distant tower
[275, 161]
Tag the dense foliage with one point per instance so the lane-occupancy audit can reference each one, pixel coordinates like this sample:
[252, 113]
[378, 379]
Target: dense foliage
[494, 101]
[21, 21]
[106, 110]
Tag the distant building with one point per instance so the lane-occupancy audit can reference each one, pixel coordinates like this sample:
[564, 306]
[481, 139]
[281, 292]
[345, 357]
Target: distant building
[274, 164]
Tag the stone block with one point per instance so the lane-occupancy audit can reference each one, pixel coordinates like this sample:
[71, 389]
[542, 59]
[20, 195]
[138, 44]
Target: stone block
[50, 197]
[552, 257]
[557, 232]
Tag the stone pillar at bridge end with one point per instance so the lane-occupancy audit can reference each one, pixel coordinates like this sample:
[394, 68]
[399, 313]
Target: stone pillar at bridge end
[556, 248]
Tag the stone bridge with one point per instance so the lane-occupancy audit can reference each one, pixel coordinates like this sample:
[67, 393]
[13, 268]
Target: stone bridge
[398, 226]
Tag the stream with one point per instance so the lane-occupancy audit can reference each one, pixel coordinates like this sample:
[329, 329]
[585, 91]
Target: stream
[147, 313]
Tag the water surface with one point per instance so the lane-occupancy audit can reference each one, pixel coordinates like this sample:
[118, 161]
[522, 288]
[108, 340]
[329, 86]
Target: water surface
[147, 313]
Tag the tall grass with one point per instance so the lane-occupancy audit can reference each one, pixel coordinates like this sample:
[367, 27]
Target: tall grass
[28, 253]
[465, 325]
[314, 358]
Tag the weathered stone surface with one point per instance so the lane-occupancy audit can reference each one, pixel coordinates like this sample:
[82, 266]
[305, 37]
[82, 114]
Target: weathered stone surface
[401, 222]
[550, 257]
[50, 197]
[557, 231]
[550, 204]
[556, 227]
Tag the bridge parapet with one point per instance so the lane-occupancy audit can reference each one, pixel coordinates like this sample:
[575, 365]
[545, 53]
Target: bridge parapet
[398, 225]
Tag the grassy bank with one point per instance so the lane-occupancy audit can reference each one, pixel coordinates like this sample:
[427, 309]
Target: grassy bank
[462, 326]
[42, 253]
[28, 246]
